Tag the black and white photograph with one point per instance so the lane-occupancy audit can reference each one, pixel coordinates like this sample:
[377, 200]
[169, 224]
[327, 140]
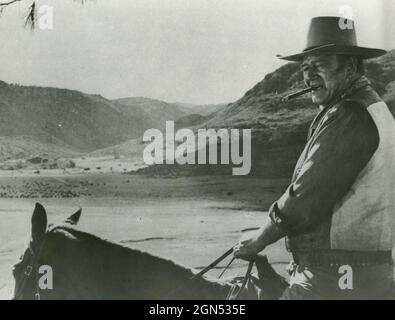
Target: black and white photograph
[197, 150]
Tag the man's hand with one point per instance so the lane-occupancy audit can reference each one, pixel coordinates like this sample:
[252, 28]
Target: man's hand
[248, 245]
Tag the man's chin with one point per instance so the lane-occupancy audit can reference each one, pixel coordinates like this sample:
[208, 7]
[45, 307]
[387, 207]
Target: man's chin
[316, 101]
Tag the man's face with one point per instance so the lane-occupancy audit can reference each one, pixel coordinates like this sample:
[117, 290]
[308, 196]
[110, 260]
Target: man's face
[325, 73]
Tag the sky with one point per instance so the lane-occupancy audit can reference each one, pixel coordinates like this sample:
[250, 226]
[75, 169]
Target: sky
[191, 51]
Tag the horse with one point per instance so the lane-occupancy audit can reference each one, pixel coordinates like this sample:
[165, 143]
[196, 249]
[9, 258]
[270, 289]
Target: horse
[84, 266]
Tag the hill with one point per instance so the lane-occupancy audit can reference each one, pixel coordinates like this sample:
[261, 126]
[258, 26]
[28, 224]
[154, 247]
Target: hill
[155, 112]
[35, 120]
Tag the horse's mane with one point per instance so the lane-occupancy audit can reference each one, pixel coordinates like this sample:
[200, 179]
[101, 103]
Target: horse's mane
[117, 266]
[84, 236]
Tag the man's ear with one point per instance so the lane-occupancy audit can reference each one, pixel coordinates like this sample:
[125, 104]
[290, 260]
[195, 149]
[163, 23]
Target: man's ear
[39, 222]
[351, 67]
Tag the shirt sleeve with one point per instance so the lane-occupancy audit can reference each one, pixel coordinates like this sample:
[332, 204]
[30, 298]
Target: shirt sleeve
[340, 149]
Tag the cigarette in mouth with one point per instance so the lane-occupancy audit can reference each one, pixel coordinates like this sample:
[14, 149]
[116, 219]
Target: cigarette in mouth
[297, 94]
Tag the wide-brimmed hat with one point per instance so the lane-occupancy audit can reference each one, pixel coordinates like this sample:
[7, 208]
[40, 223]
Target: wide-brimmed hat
[333, 35]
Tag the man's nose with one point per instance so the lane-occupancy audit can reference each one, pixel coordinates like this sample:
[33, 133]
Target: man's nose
[307, 81]
[309, 76]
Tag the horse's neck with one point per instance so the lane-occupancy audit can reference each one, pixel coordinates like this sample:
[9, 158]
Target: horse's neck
[98, 269]
[174, 282]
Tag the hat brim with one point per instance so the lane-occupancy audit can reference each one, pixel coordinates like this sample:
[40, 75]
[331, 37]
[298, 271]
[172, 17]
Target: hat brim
[362, 52]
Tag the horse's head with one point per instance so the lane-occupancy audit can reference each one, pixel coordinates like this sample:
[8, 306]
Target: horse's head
[26, 270]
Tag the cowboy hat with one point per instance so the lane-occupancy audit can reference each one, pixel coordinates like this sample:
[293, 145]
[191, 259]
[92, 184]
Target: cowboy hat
[333, 35]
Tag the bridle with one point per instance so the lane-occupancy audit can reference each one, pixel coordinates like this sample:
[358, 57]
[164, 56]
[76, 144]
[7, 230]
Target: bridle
[28, 267]
[25, 270]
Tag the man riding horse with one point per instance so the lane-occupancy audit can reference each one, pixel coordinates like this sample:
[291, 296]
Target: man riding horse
[336, 214]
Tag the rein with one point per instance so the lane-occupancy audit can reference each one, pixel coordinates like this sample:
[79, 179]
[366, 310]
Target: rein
[213, 264]
[208, 268]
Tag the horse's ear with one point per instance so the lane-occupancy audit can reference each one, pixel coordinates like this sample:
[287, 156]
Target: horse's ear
[75, 217]
[39, 222]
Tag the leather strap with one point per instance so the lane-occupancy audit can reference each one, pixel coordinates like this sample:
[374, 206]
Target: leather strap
[246, 277]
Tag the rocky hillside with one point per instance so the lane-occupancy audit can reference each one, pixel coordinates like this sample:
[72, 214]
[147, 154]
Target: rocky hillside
[63, 118]
[203, 110]
[36, 120]
[155, 112]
